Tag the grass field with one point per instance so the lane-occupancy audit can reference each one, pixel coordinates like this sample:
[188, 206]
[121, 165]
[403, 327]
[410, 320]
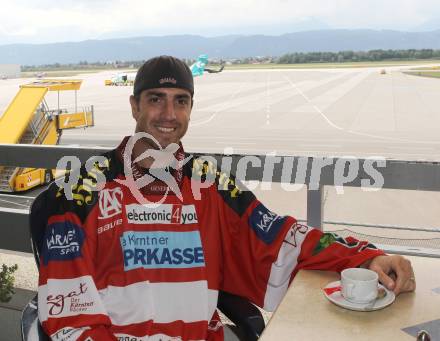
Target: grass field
[330, 65]
[427, 68]
[433, 74]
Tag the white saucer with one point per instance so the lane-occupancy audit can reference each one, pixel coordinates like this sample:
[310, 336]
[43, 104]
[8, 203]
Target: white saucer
[380, 303]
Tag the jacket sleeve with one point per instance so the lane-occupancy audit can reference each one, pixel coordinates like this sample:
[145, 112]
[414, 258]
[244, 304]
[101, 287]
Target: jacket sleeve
[262, 251]
[69, 304]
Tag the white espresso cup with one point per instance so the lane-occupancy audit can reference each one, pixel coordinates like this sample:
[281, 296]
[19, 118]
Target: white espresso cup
[359, 285]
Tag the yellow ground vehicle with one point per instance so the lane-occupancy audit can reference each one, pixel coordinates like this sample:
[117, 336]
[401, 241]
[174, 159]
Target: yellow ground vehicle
[121, 79]
[29, 120]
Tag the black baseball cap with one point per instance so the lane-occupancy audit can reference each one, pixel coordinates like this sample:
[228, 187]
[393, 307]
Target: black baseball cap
[163, 72]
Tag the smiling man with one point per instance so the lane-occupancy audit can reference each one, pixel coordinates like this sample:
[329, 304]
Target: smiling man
[116, 268]
[162, 100]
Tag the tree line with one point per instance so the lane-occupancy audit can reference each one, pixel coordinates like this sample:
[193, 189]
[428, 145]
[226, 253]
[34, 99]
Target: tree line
[289, 58]
[357, 56]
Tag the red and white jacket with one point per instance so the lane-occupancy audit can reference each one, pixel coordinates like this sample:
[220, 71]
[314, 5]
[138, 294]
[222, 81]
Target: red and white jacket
[116, 269]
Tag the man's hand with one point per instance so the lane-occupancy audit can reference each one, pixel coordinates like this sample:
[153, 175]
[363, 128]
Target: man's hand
[395, 272]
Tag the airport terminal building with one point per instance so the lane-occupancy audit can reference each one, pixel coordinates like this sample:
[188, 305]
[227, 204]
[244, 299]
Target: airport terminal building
[9, 71]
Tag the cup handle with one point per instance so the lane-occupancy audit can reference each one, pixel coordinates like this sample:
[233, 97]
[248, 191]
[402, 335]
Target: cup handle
[350, 287]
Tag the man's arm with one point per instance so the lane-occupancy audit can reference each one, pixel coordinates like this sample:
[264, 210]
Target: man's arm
[69, 304]
[262, 251]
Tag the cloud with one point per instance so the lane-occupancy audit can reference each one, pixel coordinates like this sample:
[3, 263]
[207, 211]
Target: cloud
[377, 14]
[74, 20]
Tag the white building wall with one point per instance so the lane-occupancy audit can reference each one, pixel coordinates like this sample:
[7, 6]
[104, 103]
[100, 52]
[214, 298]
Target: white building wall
[9, 71]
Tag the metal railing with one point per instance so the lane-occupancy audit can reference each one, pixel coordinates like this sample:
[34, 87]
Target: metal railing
[318, 172]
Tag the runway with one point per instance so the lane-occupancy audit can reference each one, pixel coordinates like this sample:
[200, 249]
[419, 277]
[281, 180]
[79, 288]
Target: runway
[357, 112]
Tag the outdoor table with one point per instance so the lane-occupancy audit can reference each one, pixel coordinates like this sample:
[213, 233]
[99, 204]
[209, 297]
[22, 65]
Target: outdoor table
[306, 314]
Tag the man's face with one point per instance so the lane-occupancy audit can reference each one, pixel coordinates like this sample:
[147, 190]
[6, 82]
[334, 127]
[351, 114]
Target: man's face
[163, 112]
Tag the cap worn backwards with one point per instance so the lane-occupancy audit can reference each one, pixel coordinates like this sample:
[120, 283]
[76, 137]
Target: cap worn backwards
[163, 72]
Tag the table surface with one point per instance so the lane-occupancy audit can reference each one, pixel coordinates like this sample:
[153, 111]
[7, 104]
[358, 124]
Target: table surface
[306, 314]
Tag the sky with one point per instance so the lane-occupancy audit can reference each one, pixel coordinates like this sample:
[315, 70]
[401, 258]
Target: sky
[48, 21]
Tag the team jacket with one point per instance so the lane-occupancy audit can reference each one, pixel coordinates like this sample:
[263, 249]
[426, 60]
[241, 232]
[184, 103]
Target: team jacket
[114, 268]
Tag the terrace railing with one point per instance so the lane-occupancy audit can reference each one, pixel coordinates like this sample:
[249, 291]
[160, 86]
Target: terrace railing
[314, 172]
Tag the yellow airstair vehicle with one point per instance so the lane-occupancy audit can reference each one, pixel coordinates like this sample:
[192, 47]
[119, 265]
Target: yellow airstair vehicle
[29, 120]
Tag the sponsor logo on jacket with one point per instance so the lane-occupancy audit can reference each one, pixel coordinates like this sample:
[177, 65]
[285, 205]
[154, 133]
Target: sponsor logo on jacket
[62, 241]
[60, 298]
[110, 202]
[109, 226]
[296, 234]
[265, 223]
[161, 214]
[72, 301]
[68, 334]
[161, 249]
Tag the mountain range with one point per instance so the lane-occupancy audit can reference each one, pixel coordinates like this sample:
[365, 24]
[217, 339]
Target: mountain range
[225, 47]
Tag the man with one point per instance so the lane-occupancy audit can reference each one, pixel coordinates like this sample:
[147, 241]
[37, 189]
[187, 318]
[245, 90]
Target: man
[144, 257]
